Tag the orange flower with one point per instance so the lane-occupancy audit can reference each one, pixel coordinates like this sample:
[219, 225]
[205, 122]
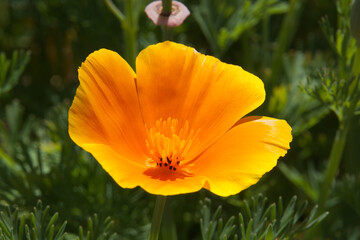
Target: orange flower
[173, 127]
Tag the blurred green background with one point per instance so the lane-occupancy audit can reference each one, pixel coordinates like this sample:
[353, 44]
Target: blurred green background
[301, 49]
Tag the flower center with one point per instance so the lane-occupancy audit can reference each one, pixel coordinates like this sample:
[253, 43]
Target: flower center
[168, 144]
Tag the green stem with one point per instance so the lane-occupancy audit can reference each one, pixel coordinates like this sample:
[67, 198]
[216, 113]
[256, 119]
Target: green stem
[168, 230]
[344, 73]
[129, 25]
[130, 29]
[167, 33]
[287, 32]
[356, 66]
[265, 38]
[158, 214]
[115, 10]
[334, 162]
[167, 7]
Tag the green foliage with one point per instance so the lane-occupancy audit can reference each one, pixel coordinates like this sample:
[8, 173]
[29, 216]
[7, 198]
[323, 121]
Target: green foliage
[285, 37]
[340, 95]
[212, 227]
[288, 100]
[336, 88]
[37, 162]
[97, 231]
[260, 220]
[280, 41]
[355, 20]
[339, 88]
[38, 224]
[11, 69]
[223, 22]
[309, 183]
[349, 191]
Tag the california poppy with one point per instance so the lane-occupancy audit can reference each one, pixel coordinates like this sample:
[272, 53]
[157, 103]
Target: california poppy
[173, 127]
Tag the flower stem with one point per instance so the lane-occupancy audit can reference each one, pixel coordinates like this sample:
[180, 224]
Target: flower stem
[334, 162]
[285, 37]
[166, 10]
[129, 25]
[167, 33]
[167, 7]
[265, 38]
[115, 10]
[130, 30]
[158, 214]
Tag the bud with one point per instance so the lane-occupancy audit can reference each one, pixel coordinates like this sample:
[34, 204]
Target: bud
[178, 14]
[355, 20]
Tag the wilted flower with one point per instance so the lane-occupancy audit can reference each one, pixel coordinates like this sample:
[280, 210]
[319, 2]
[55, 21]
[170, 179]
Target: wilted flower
[173, 127]
[178, 14]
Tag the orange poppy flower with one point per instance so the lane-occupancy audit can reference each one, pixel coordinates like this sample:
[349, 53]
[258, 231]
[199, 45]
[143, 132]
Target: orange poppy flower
[173, 127]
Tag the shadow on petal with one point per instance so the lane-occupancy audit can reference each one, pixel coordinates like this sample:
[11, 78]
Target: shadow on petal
[165, 174]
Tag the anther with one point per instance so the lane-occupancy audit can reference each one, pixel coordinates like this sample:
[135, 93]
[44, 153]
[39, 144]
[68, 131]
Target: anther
[168, 143]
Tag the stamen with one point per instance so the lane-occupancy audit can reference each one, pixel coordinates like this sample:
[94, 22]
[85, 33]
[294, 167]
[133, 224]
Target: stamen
[167, 140]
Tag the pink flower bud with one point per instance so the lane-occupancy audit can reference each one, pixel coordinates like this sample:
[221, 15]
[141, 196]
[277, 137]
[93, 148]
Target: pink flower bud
[178, 14]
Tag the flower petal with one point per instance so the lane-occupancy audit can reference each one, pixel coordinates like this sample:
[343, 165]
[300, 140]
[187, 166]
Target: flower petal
[128, 175]
[178, 82]
[106, 109]
[246, 152]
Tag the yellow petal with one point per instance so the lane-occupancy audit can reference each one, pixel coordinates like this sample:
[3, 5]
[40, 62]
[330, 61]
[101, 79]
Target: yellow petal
[106, 109]
[178, 82]
[246, 152]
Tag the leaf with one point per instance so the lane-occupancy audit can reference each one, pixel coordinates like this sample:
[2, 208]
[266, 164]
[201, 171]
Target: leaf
[223, 22]
[259, 220]
[12, 69]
